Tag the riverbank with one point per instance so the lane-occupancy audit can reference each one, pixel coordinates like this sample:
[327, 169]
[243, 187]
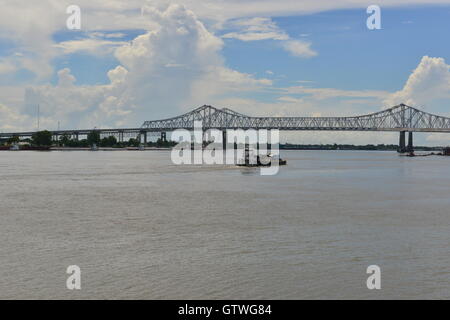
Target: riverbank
[84, 149]
[350, 147]
[110, 149]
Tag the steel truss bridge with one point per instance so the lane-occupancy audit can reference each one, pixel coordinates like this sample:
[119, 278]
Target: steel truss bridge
[400, 118]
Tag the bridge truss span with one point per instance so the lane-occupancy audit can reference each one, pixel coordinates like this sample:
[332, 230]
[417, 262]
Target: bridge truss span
[401, 118]
[398, 118]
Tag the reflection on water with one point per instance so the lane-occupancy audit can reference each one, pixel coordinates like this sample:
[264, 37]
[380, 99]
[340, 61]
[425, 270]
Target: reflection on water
[140, 227]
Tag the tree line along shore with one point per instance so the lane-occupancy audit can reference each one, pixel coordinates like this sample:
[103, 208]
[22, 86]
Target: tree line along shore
[44, 139]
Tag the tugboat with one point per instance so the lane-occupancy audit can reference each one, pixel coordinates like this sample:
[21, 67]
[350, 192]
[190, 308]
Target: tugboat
[281, 162]
[261, 161]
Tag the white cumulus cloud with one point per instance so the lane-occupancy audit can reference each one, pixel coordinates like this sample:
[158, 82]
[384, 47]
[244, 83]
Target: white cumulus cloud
[299, 48]
[174, 66]
[428, 82]
[254, 29]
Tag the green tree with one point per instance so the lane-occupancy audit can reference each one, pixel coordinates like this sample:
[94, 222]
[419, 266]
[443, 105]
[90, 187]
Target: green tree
[110, 141]
[165, 143]
[104, 142]
[133, 142]
[93, 138]
[13, 140]
[42, 138]
[65, 139]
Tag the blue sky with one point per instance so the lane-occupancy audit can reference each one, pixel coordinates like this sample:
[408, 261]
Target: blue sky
[87, 68]
[350, 56]
[156, 59]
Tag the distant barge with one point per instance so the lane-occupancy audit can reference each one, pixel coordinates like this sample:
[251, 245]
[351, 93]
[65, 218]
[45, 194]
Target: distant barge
[445, 152]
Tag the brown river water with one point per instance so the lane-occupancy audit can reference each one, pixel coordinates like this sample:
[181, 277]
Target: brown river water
[140, 227]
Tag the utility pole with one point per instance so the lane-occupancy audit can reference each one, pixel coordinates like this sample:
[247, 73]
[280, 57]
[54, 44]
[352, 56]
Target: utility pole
[38, 115]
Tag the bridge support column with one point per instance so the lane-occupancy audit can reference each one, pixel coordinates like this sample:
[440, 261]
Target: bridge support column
[163, 137]
[410, 147]
[257, 148]
[247, 154]
[269, 143]
[224, 141]
[402, 142]
[145, 137]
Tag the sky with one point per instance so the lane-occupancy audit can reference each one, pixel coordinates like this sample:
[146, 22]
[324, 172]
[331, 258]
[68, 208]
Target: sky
[140, 60]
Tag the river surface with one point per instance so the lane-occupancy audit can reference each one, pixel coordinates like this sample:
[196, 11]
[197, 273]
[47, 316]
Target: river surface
[140, 227]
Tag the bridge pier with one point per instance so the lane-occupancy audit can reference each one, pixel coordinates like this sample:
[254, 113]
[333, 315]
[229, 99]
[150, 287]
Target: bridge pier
[402, 147]
[269, 143]
[247, 154]
[163, 136]
[141, 135]
[224, 140]
[402, 142]
[257, 147]
[410, 147]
